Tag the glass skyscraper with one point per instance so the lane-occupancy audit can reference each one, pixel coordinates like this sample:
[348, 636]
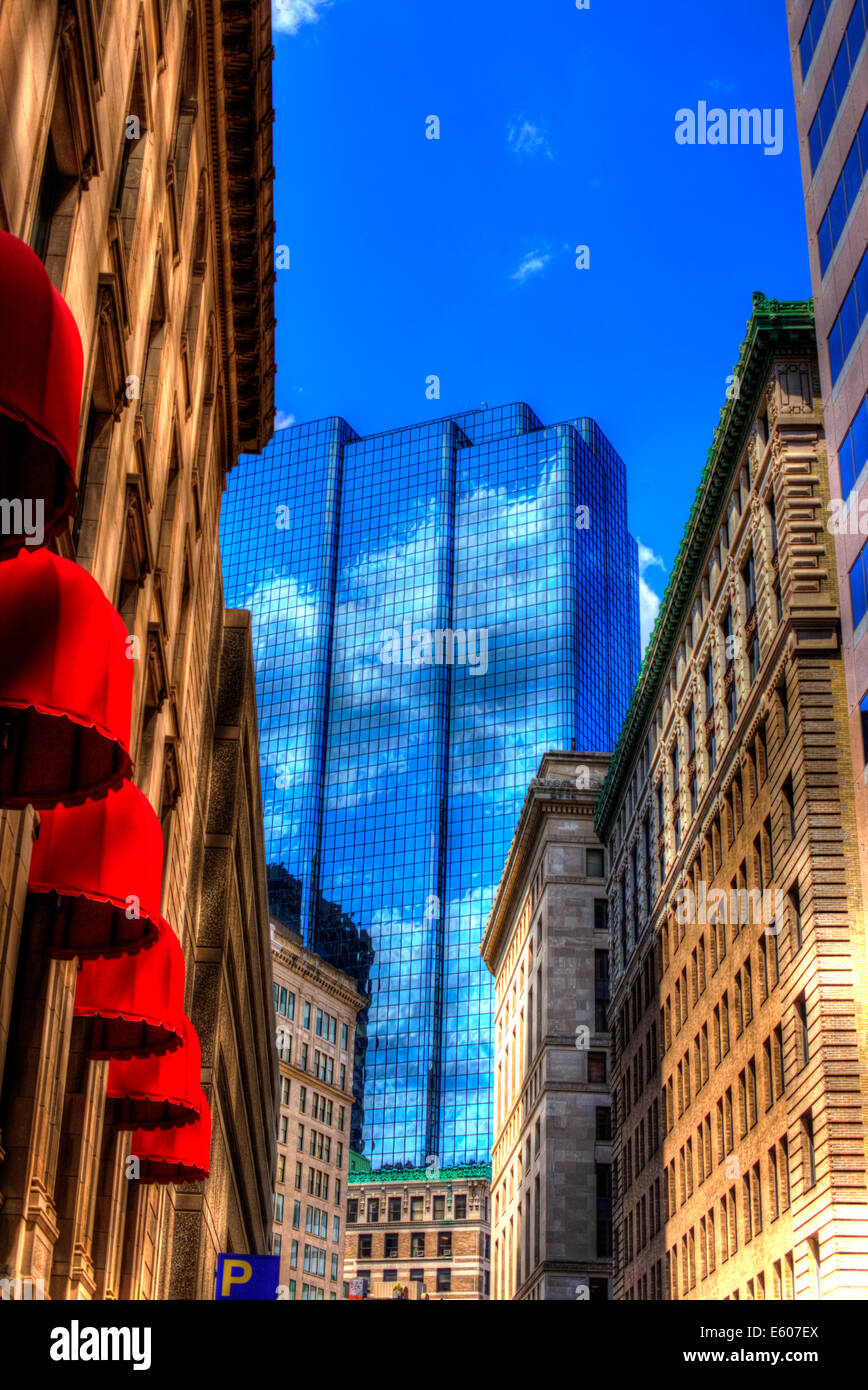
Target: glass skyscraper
[433, 608]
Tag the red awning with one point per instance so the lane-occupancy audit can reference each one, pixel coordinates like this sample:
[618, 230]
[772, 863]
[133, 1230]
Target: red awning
[66, 685]
[136, 1002]
[158, 1092]
[175, 1155]
[96, 874]
[40, 397]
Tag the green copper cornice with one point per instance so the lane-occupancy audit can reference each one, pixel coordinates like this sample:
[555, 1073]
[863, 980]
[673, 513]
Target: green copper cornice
[460, 1174]
[775, 327]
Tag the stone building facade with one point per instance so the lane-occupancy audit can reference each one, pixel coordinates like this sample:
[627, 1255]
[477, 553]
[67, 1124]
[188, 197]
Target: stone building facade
[136, 161]
[315, 1007]
[425, 1227]
[832, 123]
[738, 931]
[547, 946]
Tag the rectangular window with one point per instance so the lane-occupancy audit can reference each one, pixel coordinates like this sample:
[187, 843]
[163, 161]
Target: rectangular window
[812, 31]
[439, 1208]
[417, 1245]
[853, 453]
[859, 586]
[352, 1211]
[810, 1153]
[444, 1280]
[461, 1205]
[852, 314]
[444, 1244]
[364, 1248]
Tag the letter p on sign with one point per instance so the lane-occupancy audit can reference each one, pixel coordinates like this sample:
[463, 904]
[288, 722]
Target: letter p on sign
[235, 1272]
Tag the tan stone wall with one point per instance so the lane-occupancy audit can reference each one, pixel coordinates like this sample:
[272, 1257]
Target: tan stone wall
[148, 261]
[551, 1057]
[468, 1257]
[720, 1161]
[323, 1112]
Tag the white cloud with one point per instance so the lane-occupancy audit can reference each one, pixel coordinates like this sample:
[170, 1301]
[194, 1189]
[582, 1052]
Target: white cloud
[283, 420]
[287, 16]
[523, 137]
[649, 600]
[533, 263]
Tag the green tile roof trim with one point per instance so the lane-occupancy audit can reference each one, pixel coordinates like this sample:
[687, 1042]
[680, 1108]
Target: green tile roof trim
[775, 326]
[460, 1174]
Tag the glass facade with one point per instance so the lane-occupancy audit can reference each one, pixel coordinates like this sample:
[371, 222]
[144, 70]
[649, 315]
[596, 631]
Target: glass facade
[433, 608]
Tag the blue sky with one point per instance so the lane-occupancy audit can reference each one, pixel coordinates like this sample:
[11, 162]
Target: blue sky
[411, 257]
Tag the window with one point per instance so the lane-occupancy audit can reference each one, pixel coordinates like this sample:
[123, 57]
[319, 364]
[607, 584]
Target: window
[863, 707]
[417, 1205]
[284, 1090]
[789, 808]
[859, 586]
[810, 1154]
[390, 1245]
[801, 1012]
[394, 1208]
[417, 1276]
[601, 914]
[853, 453]
[306, 1016]
[852, 314]
[417, 1245]
[833, 92]
[343, 1037]
[596, 1066]
[364, 1250]
[460, 1212]
[812, 31]
[594, 863]
[281, 1167]
[373, 1209]
[296, 1215]
[444, 1244]
[298, 1177]
[278, 1208]
[604, 1123]
[444, 1280]
[352, 1211]
[439, 1208]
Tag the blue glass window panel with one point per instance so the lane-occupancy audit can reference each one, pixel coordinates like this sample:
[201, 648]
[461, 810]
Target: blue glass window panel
[860, 285]
[815, 141]
[858, 591]
[864, 711]
[847, 464]
[859, 434]
[836, 352]
[849, 320]
[812, 31]
[852, 175]
[825, 242]
[856, 32]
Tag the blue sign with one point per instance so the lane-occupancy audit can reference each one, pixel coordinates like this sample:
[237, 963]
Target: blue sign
[248, 1276]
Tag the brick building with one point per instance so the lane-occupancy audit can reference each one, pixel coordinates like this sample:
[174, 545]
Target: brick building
[738, 932]
[829, 55]
[136, 162]
[315, 1008]
[547, 946]
[422, 1226]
